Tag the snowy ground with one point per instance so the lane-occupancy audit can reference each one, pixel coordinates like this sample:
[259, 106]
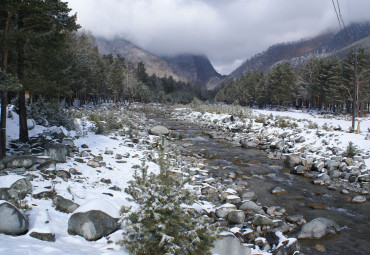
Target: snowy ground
[88, 190]
[325, 124]
[85, 189]
[344, 137]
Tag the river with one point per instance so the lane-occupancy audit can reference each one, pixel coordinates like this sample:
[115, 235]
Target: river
[222, 156]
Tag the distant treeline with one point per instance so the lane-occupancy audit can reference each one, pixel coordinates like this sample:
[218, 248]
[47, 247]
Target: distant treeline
[321, 83]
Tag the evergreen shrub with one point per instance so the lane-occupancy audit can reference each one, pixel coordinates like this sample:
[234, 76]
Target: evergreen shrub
[163, 222]
[49, 113]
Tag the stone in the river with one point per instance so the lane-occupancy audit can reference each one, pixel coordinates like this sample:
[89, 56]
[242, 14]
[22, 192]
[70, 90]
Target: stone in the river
[317, 206]
[260, 220]
[318, 228]
[278, 191]
[291, 160]
[251, 207]
[358, 199]
[249, 195]
[296, 219]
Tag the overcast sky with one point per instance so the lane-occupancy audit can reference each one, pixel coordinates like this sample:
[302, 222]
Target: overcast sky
[227, 31]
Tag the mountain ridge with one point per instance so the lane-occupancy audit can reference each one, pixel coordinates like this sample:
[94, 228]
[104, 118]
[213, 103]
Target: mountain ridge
[196, 68]
[324, 45]
[191, 68]
[134, 54]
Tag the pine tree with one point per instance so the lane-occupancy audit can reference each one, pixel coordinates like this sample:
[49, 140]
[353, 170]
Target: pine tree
[162, 223]
[34, 25]
[281, 81]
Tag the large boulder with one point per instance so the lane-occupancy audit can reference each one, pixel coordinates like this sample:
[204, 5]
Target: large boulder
[93, 220]
[21, 162]
[92, 225]
[64, 205]
[14, 187]
[229, 245]
[318, 228]
[56, 151]
[159, 130]
[12, 221]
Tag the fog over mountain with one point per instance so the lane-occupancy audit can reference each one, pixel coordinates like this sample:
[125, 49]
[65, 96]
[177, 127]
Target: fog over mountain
[227, 32]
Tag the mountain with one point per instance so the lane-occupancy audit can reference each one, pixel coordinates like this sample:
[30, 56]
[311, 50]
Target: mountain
[134, 54]
[188, 68]
[324, 45]
[195, 68]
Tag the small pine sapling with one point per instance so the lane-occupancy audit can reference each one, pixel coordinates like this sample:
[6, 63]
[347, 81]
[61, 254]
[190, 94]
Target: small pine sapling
[351, 150]
[162, 222]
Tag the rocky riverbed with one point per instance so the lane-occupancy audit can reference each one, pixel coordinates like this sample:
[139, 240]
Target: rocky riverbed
[257, 181]
[245, 182]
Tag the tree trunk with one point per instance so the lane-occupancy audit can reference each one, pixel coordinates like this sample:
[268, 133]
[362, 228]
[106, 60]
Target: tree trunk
[4, 99]
[23, 130]
[4, 94]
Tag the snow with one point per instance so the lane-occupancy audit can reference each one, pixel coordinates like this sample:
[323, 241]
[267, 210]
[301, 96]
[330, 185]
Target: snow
[86, 190]
[282, 238]
[7, 180]
[302, 118]
[100, 205]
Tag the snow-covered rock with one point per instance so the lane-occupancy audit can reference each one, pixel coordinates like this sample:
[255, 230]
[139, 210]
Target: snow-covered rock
[17, 187]
[159, 130]
[261, 220]
[92, 225]
[56, 151]
[12, 221]
[31, 124]
[223, 211]
[359, 199]
[64, 205]
[21, 161]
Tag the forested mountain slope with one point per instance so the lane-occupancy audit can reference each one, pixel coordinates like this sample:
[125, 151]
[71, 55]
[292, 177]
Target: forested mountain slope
[134, 54]
[196, 69]
[324, 45]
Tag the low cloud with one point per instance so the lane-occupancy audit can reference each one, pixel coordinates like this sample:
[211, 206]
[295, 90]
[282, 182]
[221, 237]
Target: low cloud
[227, 31]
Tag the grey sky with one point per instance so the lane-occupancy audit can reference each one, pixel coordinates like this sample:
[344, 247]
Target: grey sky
[227, 31]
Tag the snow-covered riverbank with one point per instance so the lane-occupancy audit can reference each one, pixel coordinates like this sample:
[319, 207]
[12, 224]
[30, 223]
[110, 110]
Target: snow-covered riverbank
[319, 141]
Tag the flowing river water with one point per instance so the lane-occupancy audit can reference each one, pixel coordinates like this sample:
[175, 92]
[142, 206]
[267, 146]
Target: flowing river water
[222, 157]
